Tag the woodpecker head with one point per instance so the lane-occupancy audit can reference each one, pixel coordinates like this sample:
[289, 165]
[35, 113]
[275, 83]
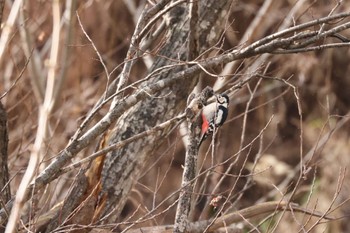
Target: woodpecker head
[223, 99]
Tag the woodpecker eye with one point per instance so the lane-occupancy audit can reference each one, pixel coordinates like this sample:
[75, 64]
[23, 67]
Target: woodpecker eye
[222, 99]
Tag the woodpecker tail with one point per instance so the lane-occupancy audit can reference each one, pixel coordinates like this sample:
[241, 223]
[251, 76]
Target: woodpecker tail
[203, 137]
[209, 132]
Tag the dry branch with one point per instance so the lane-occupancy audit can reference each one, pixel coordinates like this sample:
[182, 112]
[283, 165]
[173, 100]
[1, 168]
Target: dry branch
[35, 65]
[39, 149]
[5, 35]
[235, 217]
[194, 122]
[5, 192]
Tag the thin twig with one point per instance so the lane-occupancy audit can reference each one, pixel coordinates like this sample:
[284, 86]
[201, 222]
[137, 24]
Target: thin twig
[330, 13]
[18, 78]
[246, 38]
[123, 143]
[65, 57]
[94, 47]
[237, 216]
[41, 135]
[307, 157]
[36, 65]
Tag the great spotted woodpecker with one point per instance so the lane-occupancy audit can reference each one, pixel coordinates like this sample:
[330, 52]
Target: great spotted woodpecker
[214, 115]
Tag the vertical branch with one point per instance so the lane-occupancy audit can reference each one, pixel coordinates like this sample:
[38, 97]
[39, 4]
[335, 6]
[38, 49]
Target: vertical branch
[5, 35]
[65, 58]
[35, 63]
[44, 114]
[51, 75]
[190, 171]
[124, 75]
[5, 194]
[2, 4]
[192, 53]
[193, 33]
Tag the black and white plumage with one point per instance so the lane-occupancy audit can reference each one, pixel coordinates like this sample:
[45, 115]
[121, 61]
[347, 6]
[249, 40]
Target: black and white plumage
[214, 115]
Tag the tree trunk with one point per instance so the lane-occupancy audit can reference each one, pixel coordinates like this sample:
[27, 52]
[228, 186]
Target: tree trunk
[5, 194]
[122, 167]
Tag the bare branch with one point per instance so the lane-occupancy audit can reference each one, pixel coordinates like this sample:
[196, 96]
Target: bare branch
[5, 35]
[43, 122]
[259, 209]
[190, 169]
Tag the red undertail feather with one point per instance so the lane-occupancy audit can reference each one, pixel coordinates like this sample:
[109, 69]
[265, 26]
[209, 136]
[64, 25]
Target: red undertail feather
[205, 124]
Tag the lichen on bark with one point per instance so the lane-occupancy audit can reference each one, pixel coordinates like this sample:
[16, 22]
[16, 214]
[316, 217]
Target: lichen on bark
[122, 167]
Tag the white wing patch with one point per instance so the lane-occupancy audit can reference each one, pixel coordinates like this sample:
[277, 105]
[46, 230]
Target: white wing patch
[218, 117]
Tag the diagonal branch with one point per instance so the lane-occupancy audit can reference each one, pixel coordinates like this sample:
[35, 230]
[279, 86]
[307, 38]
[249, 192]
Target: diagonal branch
[235, 217]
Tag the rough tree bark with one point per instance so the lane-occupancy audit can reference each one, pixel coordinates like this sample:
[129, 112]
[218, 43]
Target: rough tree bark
[5, 194]
[194, 121]
[122, 167]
